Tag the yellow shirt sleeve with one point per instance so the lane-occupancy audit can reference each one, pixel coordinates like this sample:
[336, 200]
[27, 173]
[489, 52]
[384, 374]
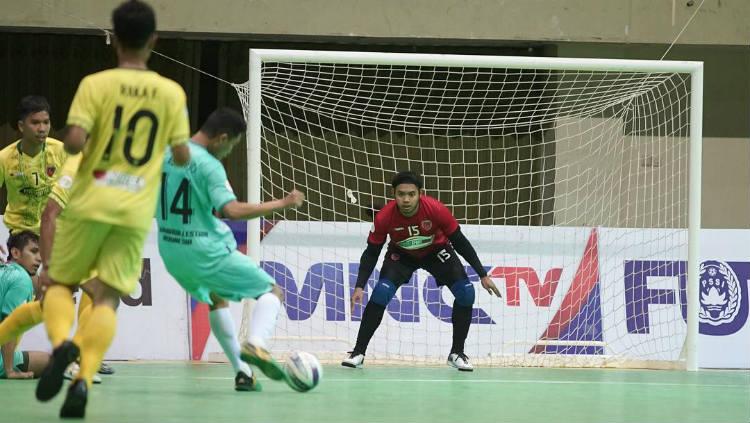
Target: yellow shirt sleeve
[83, 109]
[2, 171]
[61, 190]
[180, 131]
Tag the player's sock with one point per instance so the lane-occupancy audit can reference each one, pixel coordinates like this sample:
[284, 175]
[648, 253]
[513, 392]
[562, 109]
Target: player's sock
[461, 322]
[223, 328]
[84, 304]
[20, 320]
[84, 312]
[96, 335]
[83, 317]
[371, 319]
[59, 312]
[263, 323]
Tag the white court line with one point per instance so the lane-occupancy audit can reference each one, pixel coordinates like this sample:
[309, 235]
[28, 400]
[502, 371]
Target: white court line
[532, 381]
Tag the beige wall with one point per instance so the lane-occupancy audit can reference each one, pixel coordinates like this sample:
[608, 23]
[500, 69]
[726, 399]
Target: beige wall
[726, 183]
[628, 21]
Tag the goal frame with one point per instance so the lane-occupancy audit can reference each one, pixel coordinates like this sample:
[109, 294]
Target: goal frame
[695, 69]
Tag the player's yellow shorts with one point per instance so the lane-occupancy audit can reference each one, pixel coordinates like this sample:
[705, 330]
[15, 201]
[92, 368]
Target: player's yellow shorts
[84, 246]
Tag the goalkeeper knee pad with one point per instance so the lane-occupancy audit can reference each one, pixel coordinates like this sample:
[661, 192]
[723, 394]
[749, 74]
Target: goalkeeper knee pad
[464, 292]
[383, 292]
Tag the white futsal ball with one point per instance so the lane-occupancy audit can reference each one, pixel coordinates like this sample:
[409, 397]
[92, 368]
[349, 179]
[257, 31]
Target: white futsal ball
[304, 371]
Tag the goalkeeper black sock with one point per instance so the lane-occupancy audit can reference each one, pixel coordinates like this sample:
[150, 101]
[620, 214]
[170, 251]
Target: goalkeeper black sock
[371, 319]
[461, 318]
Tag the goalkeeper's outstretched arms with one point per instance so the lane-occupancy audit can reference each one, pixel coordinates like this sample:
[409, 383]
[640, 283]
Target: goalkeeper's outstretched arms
[464, 247]
[366, 265]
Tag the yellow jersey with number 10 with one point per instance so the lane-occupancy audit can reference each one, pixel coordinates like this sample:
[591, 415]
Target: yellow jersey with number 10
[131, 116]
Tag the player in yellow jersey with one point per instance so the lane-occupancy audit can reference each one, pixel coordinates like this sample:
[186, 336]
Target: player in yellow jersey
[29, 314]
[129, 116]
[29, 167]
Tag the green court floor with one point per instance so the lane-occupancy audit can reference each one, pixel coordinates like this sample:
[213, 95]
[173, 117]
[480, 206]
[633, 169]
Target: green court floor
[185, 392]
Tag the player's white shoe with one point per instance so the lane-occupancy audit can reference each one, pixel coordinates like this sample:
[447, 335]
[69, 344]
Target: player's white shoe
[354, 360]
[72, 371]
[460, 361]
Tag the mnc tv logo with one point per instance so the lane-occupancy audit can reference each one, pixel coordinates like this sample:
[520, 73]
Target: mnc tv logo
[723, 293]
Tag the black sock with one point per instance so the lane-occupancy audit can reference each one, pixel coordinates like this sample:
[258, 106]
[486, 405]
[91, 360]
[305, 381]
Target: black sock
[371, 319]
[461, 318]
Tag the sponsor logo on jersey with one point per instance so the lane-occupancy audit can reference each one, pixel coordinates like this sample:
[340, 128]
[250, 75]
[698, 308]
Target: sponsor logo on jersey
[121, 180]
[416, 242]
[35, 192]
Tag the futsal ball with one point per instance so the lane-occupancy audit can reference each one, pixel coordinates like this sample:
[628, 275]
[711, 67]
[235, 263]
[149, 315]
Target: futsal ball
[304, 371]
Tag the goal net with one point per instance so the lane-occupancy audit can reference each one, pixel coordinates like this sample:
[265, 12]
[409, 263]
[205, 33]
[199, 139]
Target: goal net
[571, 178]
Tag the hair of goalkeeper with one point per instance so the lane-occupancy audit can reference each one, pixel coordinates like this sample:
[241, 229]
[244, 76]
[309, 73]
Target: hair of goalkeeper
[134, 22]
[20, 240]
[406, 177]
[224, 121]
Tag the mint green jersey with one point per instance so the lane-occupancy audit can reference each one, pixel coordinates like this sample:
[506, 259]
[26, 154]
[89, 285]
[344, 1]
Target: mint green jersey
[192, 240]
[15, 288]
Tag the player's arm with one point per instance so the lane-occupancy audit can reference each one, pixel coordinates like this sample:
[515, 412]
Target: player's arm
[369, 258]
[225, 202]
[463, 247]
[83, 110]
[180, 154]
[179, 131]
[236, 210]
[75, 139]
[450, 227]
[47, 229]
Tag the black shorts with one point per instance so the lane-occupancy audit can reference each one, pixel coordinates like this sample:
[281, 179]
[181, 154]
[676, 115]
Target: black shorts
[443, 264]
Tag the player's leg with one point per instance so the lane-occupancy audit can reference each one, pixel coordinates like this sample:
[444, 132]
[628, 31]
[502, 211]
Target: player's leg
[393, 274]
[84, 312]
[449, 271]
[20, 320]
[223, 328]
[73, 254]
[238, 278]
[262, 325]
[118, 266]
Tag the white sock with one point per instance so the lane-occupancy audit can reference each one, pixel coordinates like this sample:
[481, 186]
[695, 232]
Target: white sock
[263, 323]
[222, 326]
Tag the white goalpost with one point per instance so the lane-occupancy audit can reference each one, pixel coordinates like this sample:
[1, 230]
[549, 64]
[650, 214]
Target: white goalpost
[576, 180]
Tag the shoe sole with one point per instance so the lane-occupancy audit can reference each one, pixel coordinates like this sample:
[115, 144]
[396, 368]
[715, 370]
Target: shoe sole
[95, 380]
[459, 368]
[270, 367]
[74, 406]
[106, 370]
[351, 366]
[52, 378]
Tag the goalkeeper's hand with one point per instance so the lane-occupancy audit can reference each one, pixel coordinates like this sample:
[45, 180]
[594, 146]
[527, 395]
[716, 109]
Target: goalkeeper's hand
[489, 285]
[357, 297]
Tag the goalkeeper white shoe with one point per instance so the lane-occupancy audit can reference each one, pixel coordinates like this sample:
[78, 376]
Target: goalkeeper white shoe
[72, 371]
[354, 361]
[460, 361]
